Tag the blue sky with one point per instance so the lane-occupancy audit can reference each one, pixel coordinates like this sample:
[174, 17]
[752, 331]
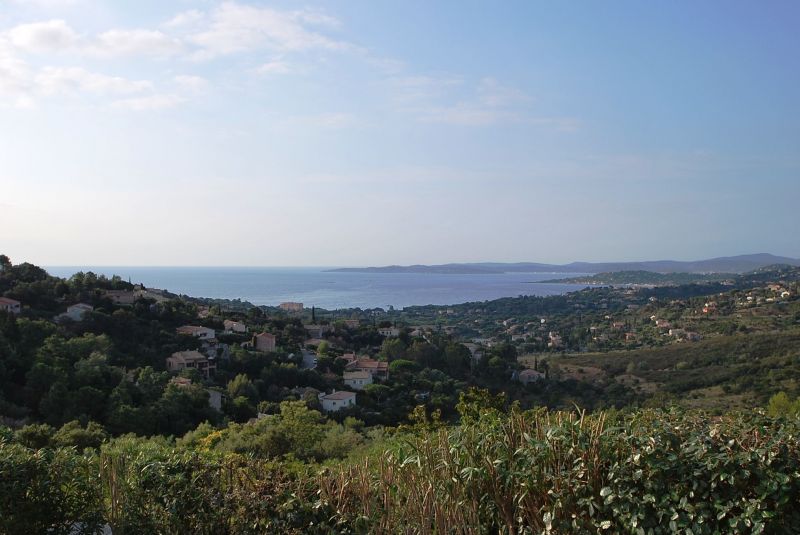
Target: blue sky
[367, 132]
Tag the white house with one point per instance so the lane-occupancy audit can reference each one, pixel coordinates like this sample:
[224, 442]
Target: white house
[234, 326]
[203, 333]
[336, 401]
[389, 331]
[78, 311]
[357, 380]
[10, 305]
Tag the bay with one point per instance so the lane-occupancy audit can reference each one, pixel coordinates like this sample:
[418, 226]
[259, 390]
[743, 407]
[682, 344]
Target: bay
[331, 290]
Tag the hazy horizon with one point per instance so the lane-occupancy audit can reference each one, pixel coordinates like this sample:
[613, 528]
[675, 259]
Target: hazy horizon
[356, 133]
[276, 266]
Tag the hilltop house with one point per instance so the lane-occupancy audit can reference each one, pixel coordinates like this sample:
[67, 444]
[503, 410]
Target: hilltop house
[121, 297]
[203, 333]
[357, 380]
[234, 326]
[336, 401]
[265, 342]
[190, 359]
[291, 307]
[10, 305]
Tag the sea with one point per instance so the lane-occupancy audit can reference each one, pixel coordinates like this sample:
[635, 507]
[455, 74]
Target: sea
[332, 290]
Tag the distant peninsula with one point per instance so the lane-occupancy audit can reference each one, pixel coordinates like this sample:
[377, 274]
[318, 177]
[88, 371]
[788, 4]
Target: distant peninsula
[645, 278]
[721, 265]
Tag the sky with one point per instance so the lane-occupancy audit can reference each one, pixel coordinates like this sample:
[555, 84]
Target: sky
[369, 132]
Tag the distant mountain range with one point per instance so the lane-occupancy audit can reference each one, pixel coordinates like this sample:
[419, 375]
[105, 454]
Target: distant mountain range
[725, 264]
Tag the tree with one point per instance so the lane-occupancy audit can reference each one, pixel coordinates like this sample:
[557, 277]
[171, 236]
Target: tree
[377, 391]
[35, 436]
[72, 434]
[393, 348]
[781, 406]
[242, 386]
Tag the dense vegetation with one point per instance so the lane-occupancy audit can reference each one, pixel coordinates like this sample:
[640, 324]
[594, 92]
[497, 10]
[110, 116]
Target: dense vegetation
[94, 430]
[499, 471]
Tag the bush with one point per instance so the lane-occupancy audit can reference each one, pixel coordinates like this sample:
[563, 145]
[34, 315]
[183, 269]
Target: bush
[48, 491]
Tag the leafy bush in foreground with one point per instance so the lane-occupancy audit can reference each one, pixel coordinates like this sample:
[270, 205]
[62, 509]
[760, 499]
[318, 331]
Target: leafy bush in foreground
[517, 472]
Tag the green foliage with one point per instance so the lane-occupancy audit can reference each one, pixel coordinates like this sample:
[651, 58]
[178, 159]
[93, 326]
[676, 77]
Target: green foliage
[35, 436]
[73, 435]
[781, 406]
[48, 491]
[540, 472]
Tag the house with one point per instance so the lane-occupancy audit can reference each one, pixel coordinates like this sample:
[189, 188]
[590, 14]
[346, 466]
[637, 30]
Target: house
[317, 331]
[336, 401]
[121, 297]
[529, 376]
[555, 340]
[203, 333]
[291, 307]
[357, 380]
[234, 326]
[348, 357]
[352, 323]
[10, 305]
[663, 324]
[389, 331]
[181, 360]
[377, 368]
[264, 342]
[78, 311]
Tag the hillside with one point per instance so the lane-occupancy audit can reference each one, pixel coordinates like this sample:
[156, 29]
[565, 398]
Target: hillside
[519, 415]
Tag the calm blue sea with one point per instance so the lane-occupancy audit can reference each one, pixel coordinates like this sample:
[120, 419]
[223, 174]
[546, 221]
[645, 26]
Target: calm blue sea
[314, 286]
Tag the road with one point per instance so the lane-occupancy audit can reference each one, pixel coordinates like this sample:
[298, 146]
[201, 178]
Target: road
[309, 359]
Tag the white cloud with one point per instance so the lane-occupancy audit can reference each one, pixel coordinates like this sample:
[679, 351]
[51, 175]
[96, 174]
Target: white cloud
[55, 80]
[57, 36]
[493, 94]
[14, 74]
[186, 18]
[49, 4]
[47, 36]
[148, 103]
[273, 67]
[136, 42]
[191, 83]
[235, 28]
